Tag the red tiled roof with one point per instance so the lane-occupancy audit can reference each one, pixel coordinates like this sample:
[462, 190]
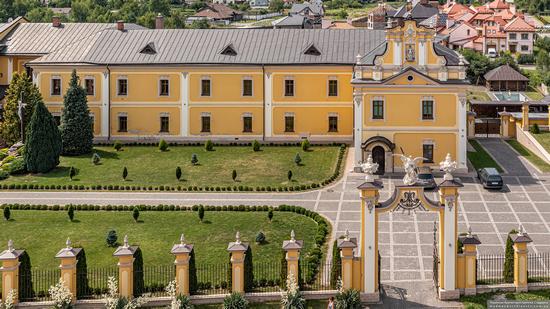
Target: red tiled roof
[216, 11]
[499, 4]
[519, 24]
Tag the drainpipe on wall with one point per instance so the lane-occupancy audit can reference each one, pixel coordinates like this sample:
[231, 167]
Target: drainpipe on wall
[109, 102]
[263, 100]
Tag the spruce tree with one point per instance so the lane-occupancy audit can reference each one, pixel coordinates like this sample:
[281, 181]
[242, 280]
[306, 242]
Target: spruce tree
[21, 87]
[43, 141]
[76, 123]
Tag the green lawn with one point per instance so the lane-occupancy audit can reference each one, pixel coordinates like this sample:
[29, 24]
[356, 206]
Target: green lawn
[526, 153]
[480, 158]
[480, 301]
[147, 166]
[544, 139]
[478, 96]
[534, 95]
[43, 233]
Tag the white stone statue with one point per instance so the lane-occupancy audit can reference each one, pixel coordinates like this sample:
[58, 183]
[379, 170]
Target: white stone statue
[409, 165]
[448, 166]
[369, 168]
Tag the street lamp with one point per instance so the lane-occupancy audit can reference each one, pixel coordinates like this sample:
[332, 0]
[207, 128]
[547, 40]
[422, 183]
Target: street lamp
[20, 111]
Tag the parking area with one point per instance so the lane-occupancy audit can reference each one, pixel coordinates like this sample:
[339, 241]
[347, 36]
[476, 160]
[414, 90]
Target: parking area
[406, 241]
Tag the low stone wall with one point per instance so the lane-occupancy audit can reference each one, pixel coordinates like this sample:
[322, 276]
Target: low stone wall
[528, 141]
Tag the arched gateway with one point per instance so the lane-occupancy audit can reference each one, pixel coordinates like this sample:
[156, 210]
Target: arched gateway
[404, 198]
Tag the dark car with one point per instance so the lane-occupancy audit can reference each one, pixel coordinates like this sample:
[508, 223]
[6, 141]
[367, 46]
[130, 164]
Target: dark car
[490, 178]
[425, 178]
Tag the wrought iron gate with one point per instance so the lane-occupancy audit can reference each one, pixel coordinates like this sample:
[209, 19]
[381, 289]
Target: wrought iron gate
[435, 270]
[487, 126]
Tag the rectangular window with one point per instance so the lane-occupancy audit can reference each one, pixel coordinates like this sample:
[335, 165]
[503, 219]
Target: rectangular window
[57, 120]
[427, 110]
[333, 123]
[122, 86]
[122, 123]
[90, 87]
[524, 48]
[164, 124]
[56, 86]
[289, 123]
[247, 124]
[428, 153]
[205, 124]
[525, 36]
[164, 87]
[332, 88]
[512, 36]
[247, 87]
[205, 88]
[377, 109]
[289, 87]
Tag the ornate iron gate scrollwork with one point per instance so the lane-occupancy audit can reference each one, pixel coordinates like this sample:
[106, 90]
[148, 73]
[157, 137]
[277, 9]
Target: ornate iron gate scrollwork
[435, 270]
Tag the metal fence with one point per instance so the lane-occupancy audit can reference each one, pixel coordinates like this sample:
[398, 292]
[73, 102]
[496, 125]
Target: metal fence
[490, 269]
[36, 283]
[93, 283]
[155, 279]
[212, 278]
[538, 267]
[317, 277]
[267, 277]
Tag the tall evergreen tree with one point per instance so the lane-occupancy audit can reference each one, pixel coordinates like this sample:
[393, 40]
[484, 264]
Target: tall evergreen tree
[43, 142]
[76, 123]
[20, 87]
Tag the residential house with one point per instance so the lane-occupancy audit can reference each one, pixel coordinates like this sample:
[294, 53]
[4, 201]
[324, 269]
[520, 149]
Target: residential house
[505, 78]
[295, 22]
[216, 13]
[307, 9]
[375, 19]
[417, 11]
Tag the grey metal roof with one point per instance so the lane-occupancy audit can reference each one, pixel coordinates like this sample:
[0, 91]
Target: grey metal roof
[292, 20]
[43, 38]
[450, 55]
[420, 11]
[203, 46]
[299, 7]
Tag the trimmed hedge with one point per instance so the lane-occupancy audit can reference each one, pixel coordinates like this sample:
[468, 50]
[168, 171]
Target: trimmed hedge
[234, 188]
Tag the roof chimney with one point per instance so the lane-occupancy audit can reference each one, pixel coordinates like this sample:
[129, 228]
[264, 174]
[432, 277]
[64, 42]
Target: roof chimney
[56, 21]
[120, 25]
[159, 21]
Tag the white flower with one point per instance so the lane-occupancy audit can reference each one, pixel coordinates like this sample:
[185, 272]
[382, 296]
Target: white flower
[61, 295]
[112, 298]
[9, 302]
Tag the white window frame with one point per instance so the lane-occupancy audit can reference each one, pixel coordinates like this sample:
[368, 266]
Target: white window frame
[122, 114]
[118, 79]
[383, 99]
[248, 114]
[161, 115]
[427, 98]
[293, 115]
[209, 115]
[242, 87]
[200, 86]
[56, 77]
[293, 87]
[85, 87]
[337, 122]
[333, 78]
[432, 143]
[163, 78]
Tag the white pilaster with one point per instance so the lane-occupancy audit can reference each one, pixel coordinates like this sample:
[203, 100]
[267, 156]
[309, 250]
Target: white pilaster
[105, 110]
[397, 52]
[184, 114]
[368, 245]
[36, 79]
[358, 129]
[449, 244]
[10, 69]
[268, 117]
[422, 53]
[462, 132]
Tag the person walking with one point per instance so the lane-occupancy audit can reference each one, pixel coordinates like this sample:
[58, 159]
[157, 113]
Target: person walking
[331, 304]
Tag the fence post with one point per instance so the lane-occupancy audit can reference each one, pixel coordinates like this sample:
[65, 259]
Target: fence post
[471, 124]
[525, 116]
[10, 272]
[237, 250]
[505, 123]
[469, 251]
[182, 252]
[125, 255]
[521, 239]
[67, 266]
[346, 246]
[292, 248]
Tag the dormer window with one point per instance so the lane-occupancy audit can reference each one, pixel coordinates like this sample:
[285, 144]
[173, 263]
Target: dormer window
[149, 49]
[229, 50]
[312, 51]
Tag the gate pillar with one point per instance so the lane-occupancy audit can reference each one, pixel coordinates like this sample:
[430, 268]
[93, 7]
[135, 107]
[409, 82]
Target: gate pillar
[448, 194]
[521, 239]
[369, 193]
[471, 124]
[505, 124]
[525, 116]
[469, 255]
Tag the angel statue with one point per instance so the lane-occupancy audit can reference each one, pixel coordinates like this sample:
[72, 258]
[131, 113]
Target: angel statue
[448, 166]
[369, 168]
[409, 165]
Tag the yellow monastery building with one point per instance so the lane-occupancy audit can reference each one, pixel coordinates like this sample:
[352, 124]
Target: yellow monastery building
[388, 91]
